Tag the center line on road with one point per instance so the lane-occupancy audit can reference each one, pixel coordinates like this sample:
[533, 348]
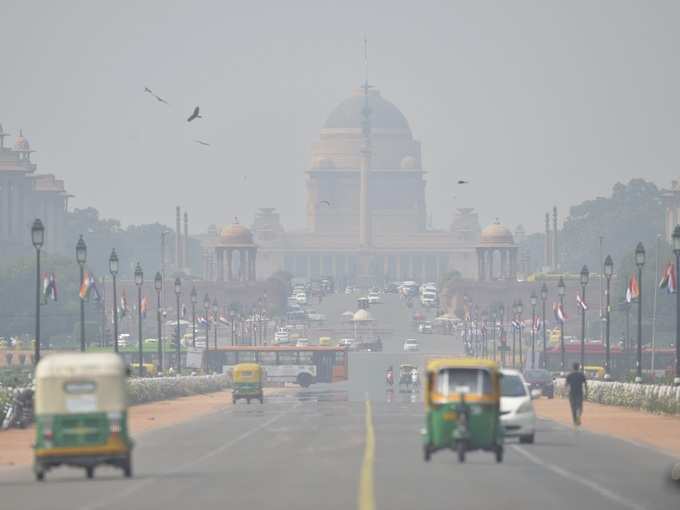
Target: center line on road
[602, 491]
[366, 490]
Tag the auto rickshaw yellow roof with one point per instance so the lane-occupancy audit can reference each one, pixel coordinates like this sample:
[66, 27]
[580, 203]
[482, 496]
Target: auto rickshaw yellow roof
[80, 364]
[437, 364]
[246, 366]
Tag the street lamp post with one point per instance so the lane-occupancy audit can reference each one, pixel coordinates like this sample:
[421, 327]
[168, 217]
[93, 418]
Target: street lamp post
[158, 285]
[514, 332]
[585, 276]
[81, 258]
[639, 262]
[113, 269]
[608, 272]
[676, 251]
[501, 332]
[206, 309]
[194, 298]
[561, 290]
[232, 316]
[38, 239]
[533, 300]
[178, 292]
[544, 297]
[139, 280]
[520, 307]
[216, 309]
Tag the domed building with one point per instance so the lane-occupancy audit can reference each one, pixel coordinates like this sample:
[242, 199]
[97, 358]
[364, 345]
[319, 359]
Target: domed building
[366, 208]
[25, 196]
[496, 244]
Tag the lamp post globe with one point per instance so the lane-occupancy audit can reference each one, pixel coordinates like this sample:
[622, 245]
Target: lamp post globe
[81, 251]
[113, 263]
[608, 272]
[139, 280]
[639, 262]
[38, 239]
[37, 234]
[194, 296]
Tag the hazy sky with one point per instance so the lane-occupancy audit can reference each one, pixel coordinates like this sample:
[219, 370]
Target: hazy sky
[535, 102]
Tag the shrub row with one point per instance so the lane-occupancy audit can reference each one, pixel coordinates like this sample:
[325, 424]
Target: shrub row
[653, 398]
[163, 388]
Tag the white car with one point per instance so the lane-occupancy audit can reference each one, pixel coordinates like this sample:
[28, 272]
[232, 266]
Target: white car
[346, 343]
[281, 337]
[517, 409]
[348, 290]
[373, 299]
[411, 345]
[301, 298]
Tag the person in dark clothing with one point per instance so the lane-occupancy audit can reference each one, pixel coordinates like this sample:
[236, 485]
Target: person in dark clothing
[578, 389]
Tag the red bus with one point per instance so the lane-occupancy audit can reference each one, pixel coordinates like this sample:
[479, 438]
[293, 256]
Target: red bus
[285, 363]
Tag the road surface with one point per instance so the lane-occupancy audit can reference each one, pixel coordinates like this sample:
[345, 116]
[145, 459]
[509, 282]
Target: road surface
[348, 446]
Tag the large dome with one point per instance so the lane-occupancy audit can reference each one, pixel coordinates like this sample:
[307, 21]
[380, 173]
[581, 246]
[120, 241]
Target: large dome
[496, 234]
[236, 234]
[383, 114]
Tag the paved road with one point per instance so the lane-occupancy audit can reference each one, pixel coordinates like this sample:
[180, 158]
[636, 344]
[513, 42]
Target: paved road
[347, 446]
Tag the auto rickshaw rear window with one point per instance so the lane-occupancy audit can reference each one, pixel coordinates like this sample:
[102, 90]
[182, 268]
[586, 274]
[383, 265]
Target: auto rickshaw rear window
[80, 387]
[463, 380]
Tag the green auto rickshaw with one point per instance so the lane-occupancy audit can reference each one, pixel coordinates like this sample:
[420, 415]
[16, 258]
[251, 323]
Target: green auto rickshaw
[463, 407]
[247, 382]
[81, 413]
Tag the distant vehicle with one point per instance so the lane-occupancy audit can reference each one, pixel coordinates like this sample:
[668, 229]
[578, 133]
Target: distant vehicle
[348, 290]
[425, 327]
[363, 303]
[298, 315]
[325, 341]
[411, 345]
[315, 316]
[373, 298]
[281, 337]
[347, 343]
[370, 345]
[151, 340]
[123, 340]
[517, 410]
[302, 342]
[391, 288]
[301, 298]
[540, 381]
[428, 298]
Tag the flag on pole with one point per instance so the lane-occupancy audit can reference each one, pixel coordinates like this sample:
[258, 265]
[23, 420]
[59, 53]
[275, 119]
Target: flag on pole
[85, 286]
[560, 314]
[93, 289]
[581, 304]
[633, 290]
[536, 326]
[144, 307]
[184, 311]
[669, 279]
[123, 309]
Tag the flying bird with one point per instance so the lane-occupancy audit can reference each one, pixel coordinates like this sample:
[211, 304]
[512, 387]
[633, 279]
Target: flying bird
[160, 99]
[325, 202]
[148, 90]
[195, 114]
[463, 182]
[202, 143]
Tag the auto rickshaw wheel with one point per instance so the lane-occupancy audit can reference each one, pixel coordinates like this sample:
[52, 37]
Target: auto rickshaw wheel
[460, 448]
[427, 452]
[89, 472]
[127, 467]
[499, 454]
[39, 474]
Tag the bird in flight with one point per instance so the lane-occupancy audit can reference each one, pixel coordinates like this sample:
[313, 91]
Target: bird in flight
[195, 114]
[325, 202]
[148, 90]
[463, 182]
[202, 143]
[160, 99]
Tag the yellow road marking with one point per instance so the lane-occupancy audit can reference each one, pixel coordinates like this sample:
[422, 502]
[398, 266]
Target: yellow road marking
[366, 493]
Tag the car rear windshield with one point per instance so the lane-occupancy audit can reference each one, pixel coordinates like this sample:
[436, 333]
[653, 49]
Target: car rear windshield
[512, 386]
[537, 375]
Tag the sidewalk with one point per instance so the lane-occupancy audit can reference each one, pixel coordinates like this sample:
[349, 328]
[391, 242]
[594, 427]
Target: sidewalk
[16, 444]
[661, 432]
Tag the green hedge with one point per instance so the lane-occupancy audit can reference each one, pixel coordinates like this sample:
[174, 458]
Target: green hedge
[151, 389]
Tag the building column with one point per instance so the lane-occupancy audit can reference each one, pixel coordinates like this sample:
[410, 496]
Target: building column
[480, 265]
[230, 266]
[219, 263]
[253, 258]
[513, 263]
[491, 253]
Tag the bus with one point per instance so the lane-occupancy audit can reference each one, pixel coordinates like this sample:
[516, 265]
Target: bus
[285, 363]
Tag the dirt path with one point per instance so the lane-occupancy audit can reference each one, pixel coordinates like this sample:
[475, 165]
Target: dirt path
[16, 444]
[661, 432]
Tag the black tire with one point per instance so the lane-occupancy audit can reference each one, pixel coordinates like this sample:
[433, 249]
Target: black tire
[461, 448]
[127, 467]
[39, 474]
[89, 472]
[499, 454]
[427, 453]
[528, 439]
[261, 400]
[305, 380]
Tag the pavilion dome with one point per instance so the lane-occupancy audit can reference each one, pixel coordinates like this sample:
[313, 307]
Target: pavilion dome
[383, 114]
[236, 234]
[21, 144]
[496, 234]
[362, 316]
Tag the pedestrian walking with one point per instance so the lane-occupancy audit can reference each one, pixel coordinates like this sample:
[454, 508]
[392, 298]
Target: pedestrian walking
[578, 389]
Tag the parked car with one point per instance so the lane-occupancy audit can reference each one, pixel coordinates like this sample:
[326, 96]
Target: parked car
[517, 409]
[540, 380]
[281, 337]
[301, 298]
[411, 345]
[373, 298]
[425, 327]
